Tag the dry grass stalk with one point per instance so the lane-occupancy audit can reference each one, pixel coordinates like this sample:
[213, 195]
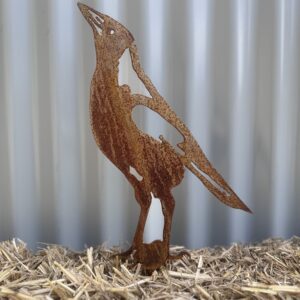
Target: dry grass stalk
[268, 270]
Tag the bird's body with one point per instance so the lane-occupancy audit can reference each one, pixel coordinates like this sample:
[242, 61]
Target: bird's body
[122, 141]
[158, 164]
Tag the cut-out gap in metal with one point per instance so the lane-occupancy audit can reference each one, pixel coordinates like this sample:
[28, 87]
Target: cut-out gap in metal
[129, 77]
[135, 173]
[215, 184]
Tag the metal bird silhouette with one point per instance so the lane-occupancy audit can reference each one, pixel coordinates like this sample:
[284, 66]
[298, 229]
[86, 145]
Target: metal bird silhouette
[159, 164]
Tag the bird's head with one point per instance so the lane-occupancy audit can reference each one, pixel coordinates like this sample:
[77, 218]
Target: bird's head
[111, 37]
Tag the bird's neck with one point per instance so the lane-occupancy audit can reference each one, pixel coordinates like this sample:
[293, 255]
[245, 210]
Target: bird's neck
[107, 72]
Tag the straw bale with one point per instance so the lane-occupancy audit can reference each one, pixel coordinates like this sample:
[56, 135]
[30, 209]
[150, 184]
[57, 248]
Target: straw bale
[266, 270]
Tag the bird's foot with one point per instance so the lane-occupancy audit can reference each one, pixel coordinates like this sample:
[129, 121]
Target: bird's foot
[123, 255]
[180, 255]
[151, 256]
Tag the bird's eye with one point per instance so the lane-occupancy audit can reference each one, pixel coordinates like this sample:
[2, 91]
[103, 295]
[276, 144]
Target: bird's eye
[111, 31]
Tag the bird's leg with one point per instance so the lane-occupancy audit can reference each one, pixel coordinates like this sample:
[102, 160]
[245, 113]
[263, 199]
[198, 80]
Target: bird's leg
[152, 256]
[168, 205]
[139, 233]
[144, 201]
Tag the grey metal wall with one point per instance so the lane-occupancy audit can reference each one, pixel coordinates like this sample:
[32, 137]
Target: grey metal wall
[229, 68]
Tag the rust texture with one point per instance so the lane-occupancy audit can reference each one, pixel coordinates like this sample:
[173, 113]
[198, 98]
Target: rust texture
[160, 166]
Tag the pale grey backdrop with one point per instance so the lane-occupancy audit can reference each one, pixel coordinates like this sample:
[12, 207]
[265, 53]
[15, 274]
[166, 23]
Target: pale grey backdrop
[229, 68]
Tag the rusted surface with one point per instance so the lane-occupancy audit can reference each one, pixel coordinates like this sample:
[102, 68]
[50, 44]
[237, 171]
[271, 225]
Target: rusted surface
[159, 164]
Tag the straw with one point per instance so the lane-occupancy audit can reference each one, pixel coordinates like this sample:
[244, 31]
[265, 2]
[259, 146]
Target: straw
[266, 270]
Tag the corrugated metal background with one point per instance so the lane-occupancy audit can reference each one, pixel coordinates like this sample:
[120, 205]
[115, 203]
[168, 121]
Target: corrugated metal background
[230, 69]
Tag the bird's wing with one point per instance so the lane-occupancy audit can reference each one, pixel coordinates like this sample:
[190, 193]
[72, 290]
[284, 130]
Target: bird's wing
[194, 158]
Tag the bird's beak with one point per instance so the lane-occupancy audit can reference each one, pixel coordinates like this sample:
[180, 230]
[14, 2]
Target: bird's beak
[93, 17]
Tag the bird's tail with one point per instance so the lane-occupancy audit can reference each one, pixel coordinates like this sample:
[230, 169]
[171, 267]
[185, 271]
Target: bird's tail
[195, 160]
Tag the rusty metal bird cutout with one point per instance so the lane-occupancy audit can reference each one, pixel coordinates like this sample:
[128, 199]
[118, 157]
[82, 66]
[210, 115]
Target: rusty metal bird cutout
[160, 166]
